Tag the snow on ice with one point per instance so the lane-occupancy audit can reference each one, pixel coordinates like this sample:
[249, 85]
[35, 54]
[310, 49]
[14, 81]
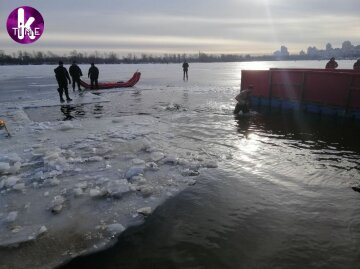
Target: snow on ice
[110, 172]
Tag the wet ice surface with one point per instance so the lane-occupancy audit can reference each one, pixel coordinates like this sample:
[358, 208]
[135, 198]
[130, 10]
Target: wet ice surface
[73, 176]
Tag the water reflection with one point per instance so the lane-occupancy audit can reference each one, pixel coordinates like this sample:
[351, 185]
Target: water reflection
[67, 111]
[185, 96]
[72, 112]
[98, 110]
[243, 125]
[308, 130]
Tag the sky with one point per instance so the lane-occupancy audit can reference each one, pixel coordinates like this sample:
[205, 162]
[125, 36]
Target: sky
[188, 26]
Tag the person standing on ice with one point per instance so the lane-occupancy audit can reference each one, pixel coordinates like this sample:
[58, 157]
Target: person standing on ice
[75, 73]
[185, 67]
[62, 77]
[93, 74]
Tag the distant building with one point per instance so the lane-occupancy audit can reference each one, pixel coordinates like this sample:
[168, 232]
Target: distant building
[347, 46]
[329, 47]
[312, 51]
[282, 53]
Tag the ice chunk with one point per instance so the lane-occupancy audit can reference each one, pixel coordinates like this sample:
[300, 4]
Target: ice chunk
[12, 216]
[134, 171]
[149, 149]
[191, 182]
[138, 179]
[95, 159]
[39, 175]
[102, 180]
[15, 168]
[146, 211]
[118, 188]
[210, 164]
[151, 166]
[138, 162]
[11, 181]
[189, 173]
[19, 187]
[4, 167]
[96, 193]
[115, 228]
[81, 185]
[78, 192]
[57, 203]
[42, 230]
[146, 191]
[12, 157]
[173, 160]
[54, 181]
[66, 126]
[58, 199]
[57, 208]
[156, 156]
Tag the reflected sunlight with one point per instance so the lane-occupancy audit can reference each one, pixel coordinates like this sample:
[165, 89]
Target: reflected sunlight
[255, 65]
[248, 145]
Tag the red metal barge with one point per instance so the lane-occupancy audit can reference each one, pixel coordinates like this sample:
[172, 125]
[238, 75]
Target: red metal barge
[331, 92]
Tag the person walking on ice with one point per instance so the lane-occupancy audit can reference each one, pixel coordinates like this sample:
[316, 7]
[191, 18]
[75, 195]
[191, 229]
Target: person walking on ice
[185, 67]
[75, 73]
[62, 77]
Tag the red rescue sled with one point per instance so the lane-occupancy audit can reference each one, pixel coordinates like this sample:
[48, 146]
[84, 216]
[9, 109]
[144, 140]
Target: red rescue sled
[109, 85]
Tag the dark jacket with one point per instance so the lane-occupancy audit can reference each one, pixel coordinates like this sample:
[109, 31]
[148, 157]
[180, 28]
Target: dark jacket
[61, 74]
[357, 65]
[93, 72]
[75, 71]
[332, 64]
[185, 66]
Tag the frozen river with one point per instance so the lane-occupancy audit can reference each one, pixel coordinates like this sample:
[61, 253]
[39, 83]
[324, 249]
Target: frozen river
[196, 186]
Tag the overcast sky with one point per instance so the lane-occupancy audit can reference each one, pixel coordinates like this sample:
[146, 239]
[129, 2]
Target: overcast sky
[188, 26]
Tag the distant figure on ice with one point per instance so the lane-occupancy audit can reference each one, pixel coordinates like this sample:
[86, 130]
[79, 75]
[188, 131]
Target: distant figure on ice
[62, 77]
[243, 100]
[93, 74]
[75, 73]
[185, 67]
[332, 64]
[357, 65]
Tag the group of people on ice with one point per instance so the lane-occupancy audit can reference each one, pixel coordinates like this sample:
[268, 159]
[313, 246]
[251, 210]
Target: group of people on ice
[63, 77]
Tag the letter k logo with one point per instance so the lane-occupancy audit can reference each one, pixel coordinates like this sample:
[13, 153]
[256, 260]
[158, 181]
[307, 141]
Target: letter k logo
[25, 25]
[24, 28]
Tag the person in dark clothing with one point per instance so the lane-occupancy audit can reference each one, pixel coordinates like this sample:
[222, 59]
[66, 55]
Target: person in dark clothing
[93, 74]
[75, 73]
[185, 67]
[357, 65]
[62, 77]
[243, 100]
[332, 64]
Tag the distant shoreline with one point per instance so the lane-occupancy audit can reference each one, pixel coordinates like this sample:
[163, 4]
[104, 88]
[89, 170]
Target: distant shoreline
[69, 61]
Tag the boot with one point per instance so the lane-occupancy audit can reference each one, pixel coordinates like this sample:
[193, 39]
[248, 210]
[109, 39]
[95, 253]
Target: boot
[67, 95]
[60, 91]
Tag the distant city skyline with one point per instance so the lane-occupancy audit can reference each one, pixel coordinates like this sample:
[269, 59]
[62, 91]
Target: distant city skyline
[347, 49]
[160, 26]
